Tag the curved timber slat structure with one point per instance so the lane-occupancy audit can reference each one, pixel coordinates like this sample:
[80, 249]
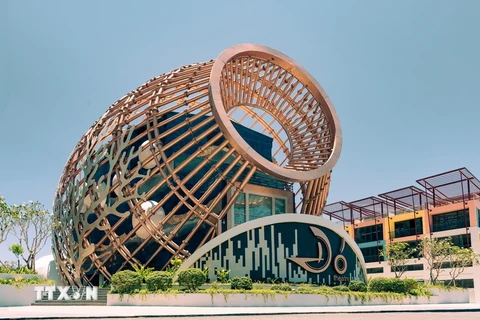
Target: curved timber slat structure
[159, 174]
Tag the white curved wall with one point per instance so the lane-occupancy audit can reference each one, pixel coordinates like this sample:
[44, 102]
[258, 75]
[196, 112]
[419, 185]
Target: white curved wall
[245, 264]
[47, 268]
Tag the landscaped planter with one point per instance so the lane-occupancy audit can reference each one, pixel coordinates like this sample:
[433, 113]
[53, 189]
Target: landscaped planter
[18, 275]
[277, 300]
[11, 296]
[451, 296]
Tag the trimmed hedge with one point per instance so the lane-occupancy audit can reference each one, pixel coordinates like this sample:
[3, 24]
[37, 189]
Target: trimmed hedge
[379, 285]
[241, 283]
[21, 270]
[341, 288]
[126, 281]
[392, 285]
[281, 287]
[357, 286]
[20, 282]
[304, 289]
[159, 280]
[411, 284]
[191, 279]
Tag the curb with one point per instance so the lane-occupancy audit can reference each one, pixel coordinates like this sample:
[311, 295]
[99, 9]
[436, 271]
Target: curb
[247, 314]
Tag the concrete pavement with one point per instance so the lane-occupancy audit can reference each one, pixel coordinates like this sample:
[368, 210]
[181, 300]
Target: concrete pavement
[104, 312]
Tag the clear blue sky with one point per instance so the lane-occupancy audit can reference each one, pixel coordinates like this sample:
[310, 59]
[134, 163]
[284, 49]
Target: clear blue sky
[404, 77]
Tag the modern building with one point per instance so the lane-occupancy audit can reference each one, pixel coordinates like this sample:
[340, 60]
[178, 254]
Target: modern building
[191, 154]
[443, 205]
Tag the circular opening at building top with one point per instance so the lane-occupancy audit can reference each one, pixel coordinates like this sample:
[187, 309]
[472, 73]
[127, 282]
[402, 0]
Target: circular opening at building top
[281, 100]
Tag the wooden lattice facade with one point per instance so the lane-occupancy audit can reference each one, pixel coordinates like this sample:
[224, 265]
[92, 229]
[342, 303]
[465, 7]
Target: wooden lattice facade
[157, 174]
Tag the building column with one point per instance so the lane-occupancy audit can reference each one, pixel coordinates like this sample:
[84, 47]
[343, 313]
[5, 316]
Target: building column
[474, 236]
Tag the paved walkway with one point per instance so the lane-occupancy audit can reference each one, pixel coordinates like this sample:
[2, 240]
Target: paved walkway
[91, 312]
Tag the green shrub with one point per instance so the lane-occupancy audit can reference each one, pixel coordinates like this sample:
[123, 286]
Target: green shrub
[159, 281]
[205, 271]
[142, 271]
[341, 288]
[420, 291]
[392, 285]
[410, 284]
[304, 290]
[222, 275]
[281, 287]
[241, 283]
[272, 280]
[379, 285]
[21, 270]
[175, 264]
[191, 279]
[21, 282]
[398, 285]
[357, 286]
[126, 281]
[324, 287]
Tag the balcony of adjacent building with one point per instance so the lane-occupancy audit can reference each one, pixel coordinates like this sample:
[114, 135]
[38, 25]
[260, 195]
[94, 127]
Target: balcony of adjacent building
[407, 228]
[450, 220]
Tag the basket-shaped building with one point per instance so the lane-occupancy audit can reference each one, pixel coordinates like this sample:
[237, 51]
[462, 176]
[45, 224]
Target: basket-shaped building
[190, 154]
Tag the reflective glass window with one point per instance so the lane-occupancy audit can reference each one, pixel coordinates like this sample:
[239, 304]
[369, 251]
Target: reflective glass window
[259, 206]
[280, 206]
[239, 216]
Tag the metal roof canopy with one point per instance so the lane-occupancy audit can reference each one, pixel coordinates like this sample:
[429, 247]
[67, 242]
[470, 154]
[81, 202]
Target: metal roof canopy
[440, 189]
[412, 198]
[367, 208]
[338, 210]
[452, 186]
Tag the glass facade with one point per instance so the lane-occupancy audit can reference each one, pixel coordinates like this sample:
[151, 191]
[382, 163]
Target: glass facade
[448, 265]
[368, 234]
[461, 240]
[375, 270]
[451, 220]
[251, 206]
[372, 254]
[410, 267]
[259, 206]
[239, 212]
[462, 283]
[408, 228]
[280, 206]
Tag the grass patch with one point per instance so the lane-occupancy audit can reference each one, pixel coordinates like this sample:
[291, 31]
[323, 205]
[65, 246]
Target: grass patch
[19, 282]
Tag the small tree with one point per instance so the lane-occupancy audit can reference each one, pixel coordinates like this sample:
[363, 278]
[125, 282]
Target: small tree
[143, 272]
[459, 259]
[397, 254]
[6, 220]
[436, 253]
[175, 264]
[222, 275]
[33, 226]
[17, 250]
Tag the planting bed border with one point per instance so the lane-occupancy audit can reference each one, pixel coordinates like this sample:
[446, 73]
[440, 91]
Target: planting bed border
[279, 300]
[13, 296]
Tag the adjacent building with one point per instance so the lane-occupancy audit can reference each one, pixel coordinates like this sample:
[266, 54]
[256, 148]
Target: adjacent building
[443, 205]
